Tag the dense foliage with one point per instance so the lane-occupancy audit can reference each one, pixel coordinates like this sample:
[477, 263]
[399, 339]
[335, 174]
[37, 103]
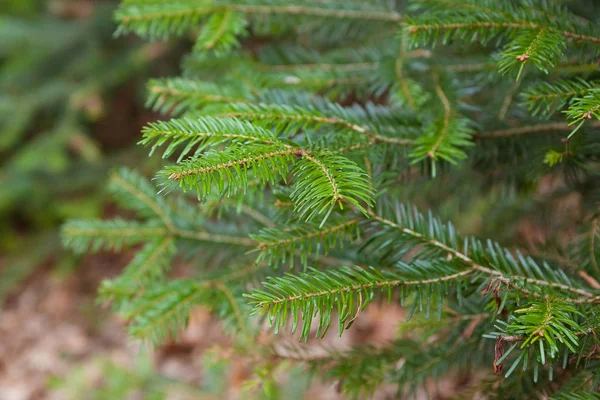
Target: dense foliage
[300, 133]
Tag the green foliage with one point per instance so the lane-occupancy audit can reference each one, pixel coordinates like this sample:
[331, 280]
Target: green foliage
[221, 32]
[305, 128]
[546, 98]
[542, 47]
[347, 291]
[59, 70]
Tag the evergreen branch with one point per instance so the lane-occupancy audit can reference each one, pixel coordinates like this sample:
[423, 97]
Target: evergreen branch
[133, 191]
[214, 238]
[161, 310]
[221, 32]
[542, 47]
[290, 120]
[151, 261]
[176, 95]
[161, 19]
[489, 259]
[347, 290]
[94, 235]
[321, 180]
[583, 108]
[279, 245]
[231, 167]
[446, 120]
[324, 180]
[205, 132]
[531, 129]
[445, 138]
[548, 97]
[544, 326]
[431, 31]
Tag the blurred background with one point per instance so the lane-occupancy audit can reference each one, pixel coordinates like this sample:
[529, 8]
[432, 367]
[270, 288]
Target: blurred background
[71, 108]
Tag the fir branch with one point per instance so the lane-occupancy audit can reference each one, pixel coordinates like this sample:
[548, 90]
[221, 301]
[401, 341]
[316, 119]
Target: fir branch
[277, 246]
[161, 19]
[221, 32]
[546, 98]
[543, 47]
[232, 167]
[324, 180]
[444, 139]
[176, 95]
[490, 259]
[133, 191]
[290, 120]
[531, 129]
[544, 326]
[197, 135]
[347, 290]
[583, 108]
[212, 237]
[151, 261]
[95, 235]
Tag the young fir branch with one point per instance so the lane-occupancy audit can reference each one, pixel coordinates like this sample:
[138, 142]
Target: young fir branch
[282, 246]
[289, 121]
[550, 327]
[134, 192]
[161, 310]
[445, 138]
[345, 291]
[95, 235]
[325, 180]
[488, 259]
[485, 20]
[221, 32]
[543, 48]
[582, 109]
[546, 98]
[197, 135]
[177, 95]
[321, 181]
[151, 262]
[158, 20]
[229, 170]
[535, 36]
